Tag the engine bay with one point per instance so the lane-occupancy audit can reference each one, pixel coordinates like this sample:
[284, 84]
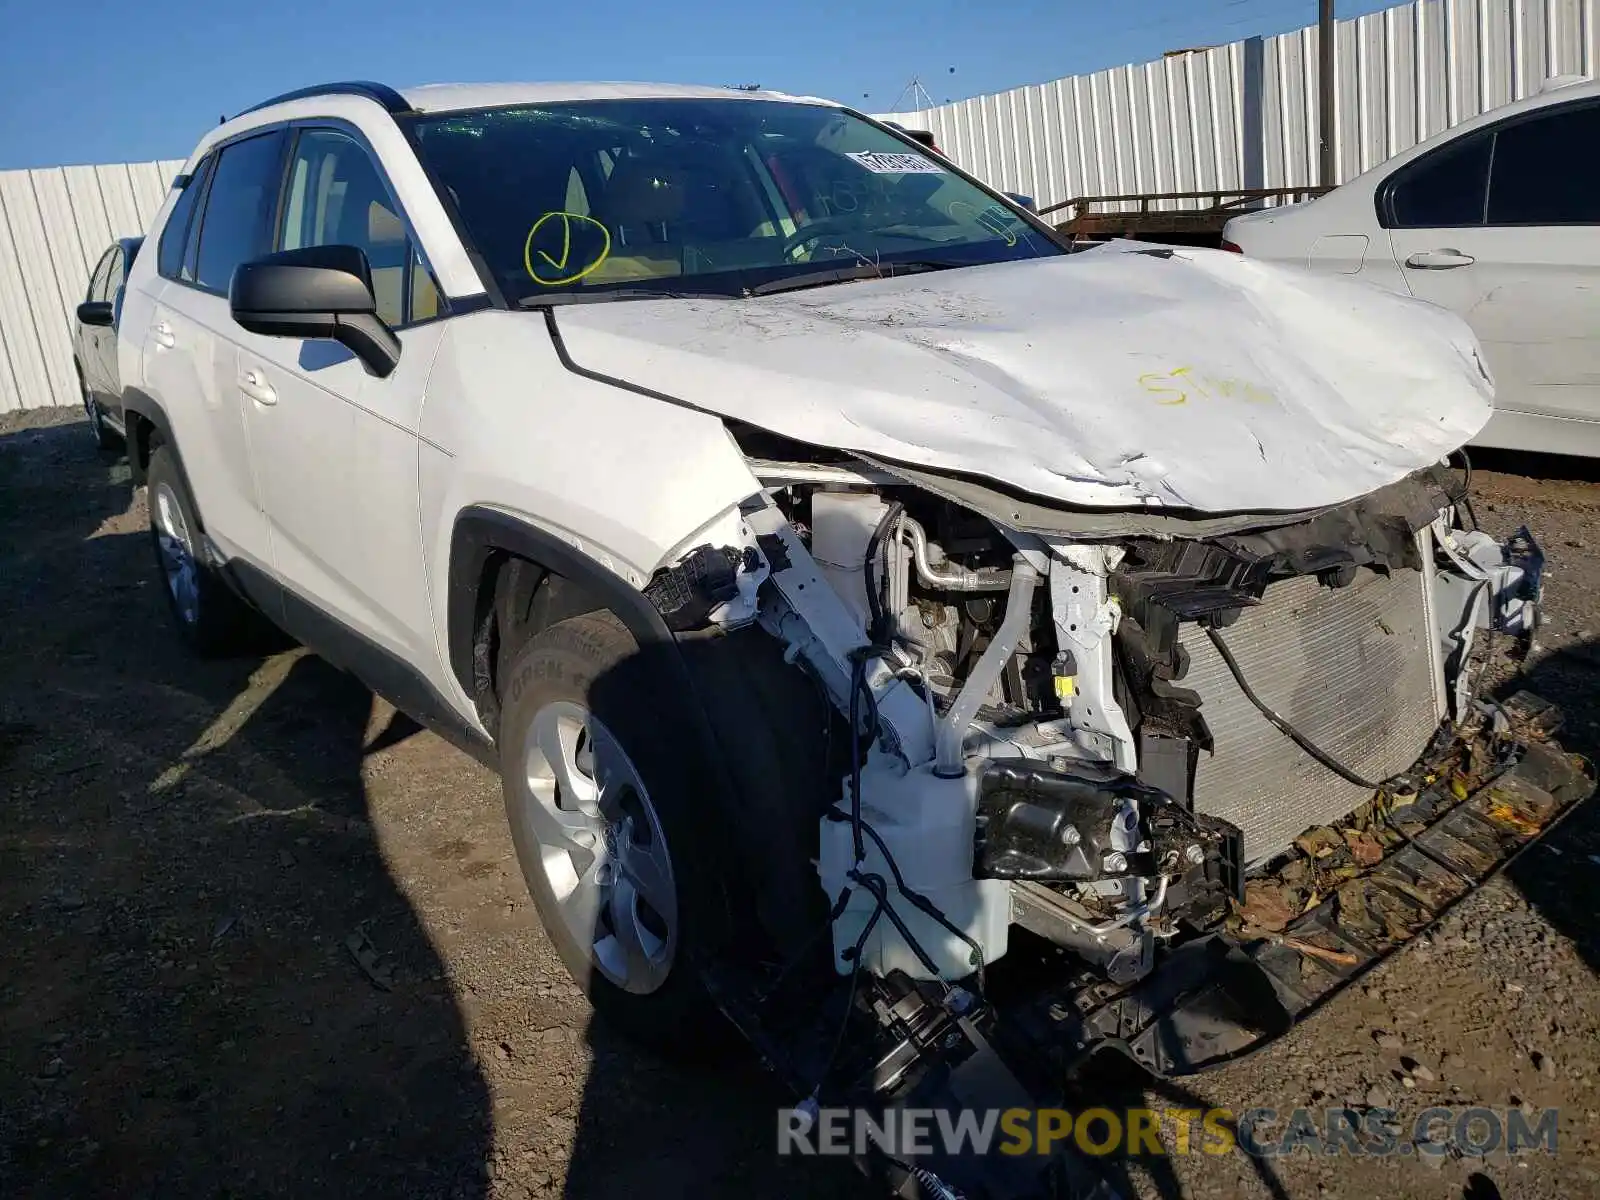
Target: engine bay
[1026, 742]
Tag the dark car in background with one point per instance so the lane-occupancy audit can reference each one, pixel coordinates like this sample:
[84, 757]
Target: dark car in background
[94, 342]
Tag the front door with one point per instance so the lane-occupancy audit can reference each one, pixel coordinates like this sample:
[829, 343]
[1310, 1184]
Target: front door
[334, 446]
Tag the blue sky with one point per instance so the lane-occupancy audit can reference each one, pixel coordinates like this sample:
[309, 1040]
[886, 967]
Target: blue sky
[101, 81]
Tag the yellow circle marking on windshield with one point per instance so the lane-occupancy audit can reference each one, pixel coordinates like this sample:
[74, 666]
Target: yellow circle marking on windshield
[994, 218]
[563, 262]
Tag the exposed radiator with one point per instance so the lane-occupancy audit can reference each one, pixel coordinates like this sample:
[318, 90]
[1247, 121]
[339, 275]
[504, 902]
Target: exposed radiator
[1348, 667]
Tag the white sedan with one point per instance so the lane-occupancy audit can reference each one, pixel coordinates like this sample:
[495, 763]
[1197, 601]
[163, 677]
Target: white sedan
[1497, 219]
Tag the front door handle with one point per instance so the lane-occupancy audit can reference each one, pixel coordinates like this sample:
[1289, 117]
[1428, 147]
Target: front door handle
[253, 383]
[1439, 260]
[163, 334]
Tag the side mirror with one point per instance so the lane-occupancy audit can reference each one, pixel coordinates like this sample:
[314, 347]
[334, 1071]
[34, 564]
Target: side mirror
[1021, 201]
[315, 292]
[95, 312]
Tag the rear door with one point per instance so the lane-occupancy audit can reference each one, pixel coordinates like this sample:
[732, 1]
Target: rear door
[1503, 227]
[190, 357]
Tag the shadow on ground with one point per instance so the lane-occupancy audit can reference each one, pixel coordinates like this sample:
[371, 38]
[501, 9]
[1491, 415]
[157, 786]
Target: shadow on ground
[211, 981]
[1558, 875]
[184, 853]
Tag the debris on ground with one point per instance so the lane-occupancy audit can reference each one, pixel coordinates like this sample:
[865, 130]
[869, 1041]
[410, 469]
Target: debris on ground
[367, 958]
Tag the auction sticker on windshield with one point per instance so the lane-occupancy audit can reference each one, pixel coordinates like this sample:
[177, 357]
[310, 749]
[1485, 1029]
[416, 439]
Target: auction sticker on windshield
[885, 162]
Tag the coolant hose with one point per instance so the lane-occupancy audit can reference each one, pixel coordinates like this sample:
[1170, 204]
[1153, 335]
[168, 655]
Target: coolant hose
[948, 760]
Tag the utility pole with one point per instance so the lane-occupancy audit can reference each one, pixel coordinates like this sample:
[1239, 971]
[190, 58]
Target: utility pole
[1325, 90]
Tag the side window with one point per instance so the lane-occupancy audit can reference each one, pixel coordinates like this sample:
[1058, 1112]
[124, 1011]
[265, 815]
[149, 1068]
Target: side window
[115, 275]
[191, 244]
[97, 280]
[1542, 176]
[336, 197]
[175, 235]
[424, 293]
[1447, 188]
[236, 225]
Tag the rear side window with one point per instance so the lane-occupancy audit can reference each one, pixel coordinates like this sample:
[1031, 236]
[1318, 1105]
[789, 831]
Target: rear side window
[240, 205]
[97, 281]
[1544, 173]
[115, 275]
[169, 251]
[1447, 188]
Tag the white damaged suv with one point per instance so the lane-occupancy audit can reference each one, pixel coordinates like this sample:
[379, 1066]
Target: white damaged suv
[861, 596]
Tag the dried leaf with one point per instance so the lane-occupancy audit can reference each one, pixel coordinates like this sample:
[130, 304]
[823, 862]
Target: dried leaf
[1269, 906]
[1364, 848]
[1504, 814]
[366, 956]
[1296, 873]
[1319, 842]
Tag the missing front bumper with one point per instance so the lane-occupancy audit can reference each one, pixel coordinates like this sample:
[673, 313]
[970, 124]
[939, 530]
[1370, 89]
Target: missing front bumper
[895, 1044]
[1226, 994]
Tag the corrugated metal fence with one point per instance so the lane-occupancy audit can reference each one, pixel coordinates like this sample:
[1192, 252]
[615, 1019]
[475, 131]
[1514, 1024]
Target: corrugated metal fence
[54, 225]
[1241, 115]
[1245, 114]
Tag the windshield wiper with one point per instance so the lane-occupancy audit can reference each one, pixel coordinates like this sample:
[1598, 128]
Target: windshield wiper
[595, 297]
[810, 279]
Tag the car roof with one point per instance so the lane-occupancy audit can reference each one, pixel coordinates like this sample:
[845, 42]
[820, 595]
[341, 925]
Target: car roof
[345, 98]
[448, 97]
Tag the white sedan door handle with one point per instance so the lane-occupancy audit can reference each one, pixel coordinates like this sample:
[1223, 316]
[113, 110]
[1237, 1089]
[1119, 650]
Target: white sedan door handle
[254, 384]
[163, 334]
[1439, 260]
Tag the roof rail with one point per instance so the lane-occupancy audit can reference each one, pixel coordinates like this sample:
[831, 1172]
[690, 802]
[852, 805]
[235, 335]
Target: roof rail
[382, 93]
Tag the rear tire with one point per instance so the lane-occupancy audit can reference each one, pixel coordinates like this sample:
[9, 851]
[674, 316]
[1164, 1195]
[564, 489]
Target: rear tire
[210, 616]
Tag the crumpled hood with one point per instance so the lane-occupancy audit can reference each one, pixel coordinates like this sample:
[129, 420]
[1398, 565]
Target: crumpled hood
[1110, 378]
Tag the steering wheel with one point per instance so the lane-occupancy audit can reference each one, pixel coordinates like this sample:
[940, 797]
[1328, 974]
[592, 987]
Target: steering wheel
[826, 227]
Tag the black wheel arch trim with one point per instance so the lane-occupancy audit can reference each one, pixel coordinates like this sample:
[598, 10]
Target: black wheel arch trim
[138, 403]
[481, 532]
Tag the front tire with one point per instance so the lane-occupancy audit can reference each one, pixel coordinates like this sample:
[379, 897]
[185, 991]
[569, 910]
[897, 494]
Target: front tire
[618, 858]
[210, 616]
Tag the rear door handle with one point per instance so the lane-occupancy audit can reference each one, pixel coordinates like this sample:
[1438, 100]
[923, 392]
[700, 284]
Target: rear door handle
[163, 334]
[253, 383]
[1439, 260]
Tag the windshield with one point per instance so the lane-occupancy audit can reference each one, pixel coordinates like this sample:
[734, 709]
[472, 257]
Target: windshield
[722, 197]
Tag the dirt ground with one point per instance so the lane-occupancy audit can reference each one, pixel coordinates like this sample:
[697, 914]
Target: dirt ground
[262, 936]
